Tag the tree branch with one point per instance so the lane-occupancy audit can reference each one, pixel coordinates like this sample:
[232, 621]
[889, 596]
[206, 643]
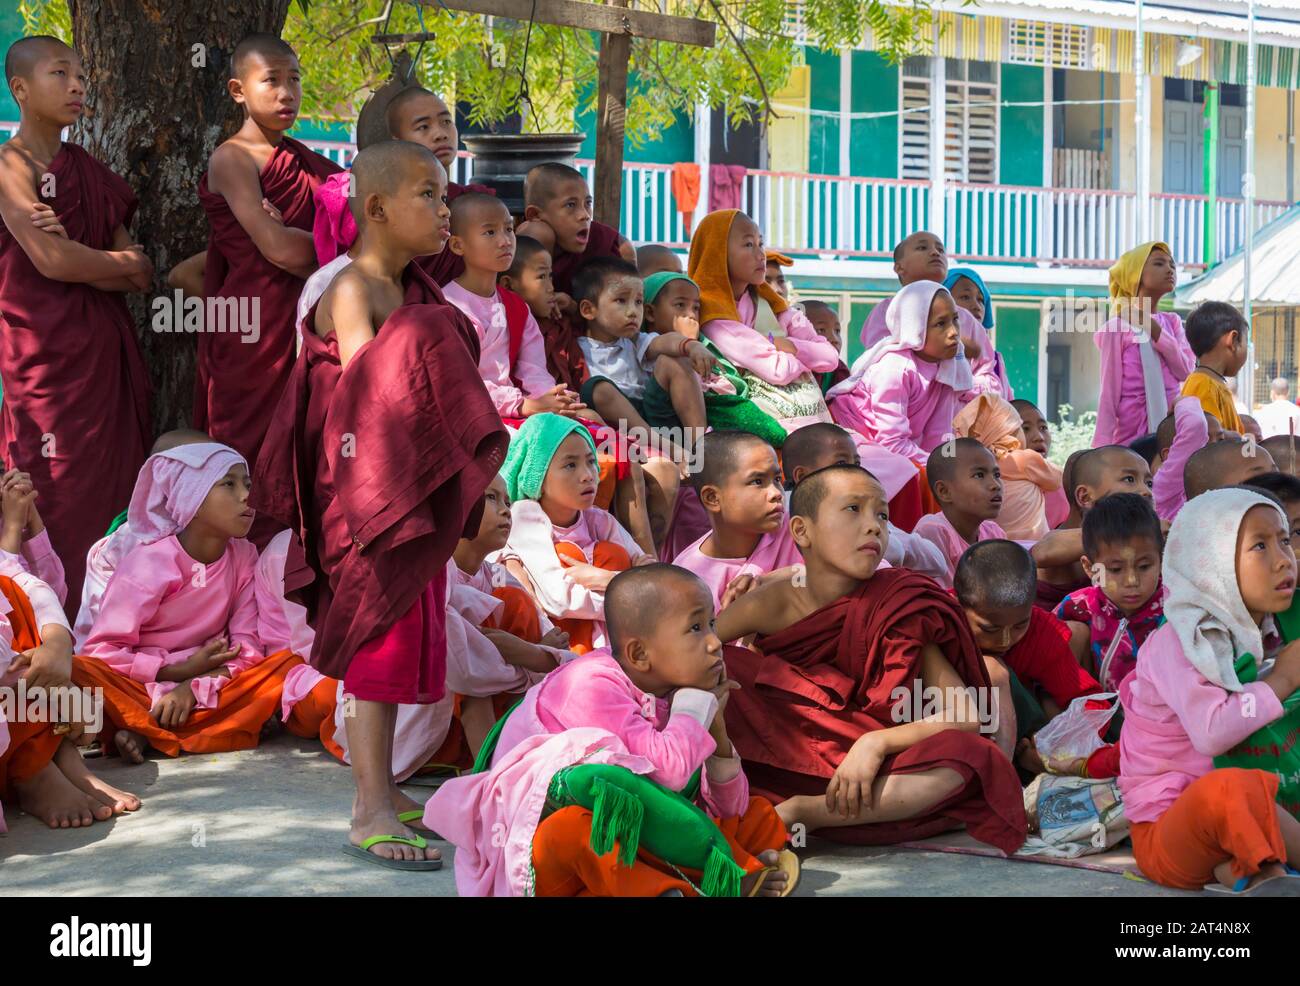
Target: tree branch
[770, 113]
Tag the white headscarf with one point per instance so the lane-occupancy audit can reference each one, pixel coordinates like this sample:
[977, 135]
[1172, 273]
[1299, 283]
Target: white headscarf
[1204, 603]
[908, 319]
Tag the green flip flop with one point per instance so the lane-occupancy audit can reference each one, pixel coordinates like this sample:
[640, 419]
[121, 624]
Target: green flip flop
[417, 815]
[363, 851]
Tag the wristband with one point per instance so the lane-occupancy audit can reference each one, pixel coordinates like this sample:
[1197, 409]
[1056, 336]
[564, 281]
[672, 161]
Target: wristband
[685, 345]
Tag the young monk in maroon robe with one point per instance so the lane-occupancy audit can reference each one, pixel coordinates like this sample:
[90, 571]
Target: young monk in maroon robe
[378, 471]
[854, 713]
[75, 413]
[257, 193]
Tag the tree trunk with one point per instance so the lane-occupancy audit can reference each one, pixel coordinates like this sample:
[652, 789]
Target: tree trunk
[156, 108]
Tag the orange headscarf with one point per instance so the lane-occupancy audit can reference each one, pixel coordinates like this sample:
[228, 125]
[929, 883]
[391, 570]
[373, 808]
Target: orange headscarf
[707, 267]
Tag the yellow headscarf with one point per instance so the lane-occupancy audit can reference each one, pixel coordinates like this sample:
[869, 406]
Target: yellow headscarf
[707, 267]
[1126, 275]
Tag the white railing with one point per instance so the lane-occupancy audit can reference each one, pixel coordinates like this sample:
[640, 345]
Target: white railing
[833, 216]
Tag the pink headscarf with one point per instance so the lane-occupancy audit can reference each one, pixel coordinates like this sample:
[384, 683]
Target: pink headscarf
[907, 320]
[333, 230]
[172, 486]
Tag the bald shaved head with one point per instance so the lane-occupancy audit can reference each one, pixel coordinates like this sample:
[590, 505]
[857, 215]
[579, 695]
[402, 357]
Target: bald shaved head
[815, 487]
[1091, 466]
[180, 436]
[1223, 464]
[381, 168]
[542, 180]
[475, 207]
[266, 47]
[24, 53]
[637, 599]
[814, 447]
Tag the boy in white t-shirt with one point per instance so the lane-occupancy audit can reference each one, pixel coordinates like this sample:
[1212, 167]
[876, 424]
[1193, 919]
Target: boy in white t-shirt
[641, 378]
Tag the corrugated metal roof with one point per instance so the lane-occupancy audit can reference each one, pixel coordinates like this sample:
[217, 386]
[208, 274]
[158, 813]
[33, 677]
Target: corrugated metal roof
[1274, 272]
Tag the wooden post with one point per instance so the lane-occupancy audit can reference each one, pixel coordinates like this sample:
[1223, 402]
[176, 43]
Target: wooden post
[611, 118]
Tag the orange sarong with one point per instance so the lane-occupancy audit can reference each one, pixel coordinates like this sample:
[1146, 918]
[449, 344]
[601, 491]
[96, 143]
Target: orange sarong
[32, 745]
[564, 864]
[1227, 815]
[246, 702]
[313, 716]
[607, 555]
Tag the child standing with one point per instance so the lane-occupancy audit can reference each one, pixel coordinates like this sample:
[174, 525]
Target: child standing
[739, 484]
[1229, 567]
[965, 479]
[1217, 334]
[773, 346]
[1144, 354]
[562, 548]
[1026, 476]
[1122, 543]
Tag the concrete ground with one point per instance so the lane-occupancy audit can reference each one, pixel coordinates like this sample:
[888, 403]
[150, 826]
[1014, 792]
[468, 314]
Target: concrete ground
[271, 822]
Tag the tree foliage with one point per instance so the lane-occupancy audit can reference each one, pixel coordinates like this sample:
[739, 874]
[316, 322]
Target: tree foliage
[482, 61]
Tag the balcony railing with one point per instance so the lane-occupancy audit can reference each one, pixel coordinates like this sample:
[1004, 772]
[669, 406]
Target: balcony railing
[857, 218]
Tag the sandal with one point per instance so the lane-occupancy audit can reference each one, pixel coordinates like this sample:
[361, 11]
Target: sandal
[787, 863]
[363, 850]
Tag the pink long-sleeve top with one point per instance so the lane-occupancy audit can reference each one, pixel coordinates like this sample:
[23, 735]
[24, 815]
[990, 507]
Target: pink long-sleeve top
[753, 351]
[47, 607]
[773, 551]
[900, 406]
[593, 691]
[938, 530]
[988, 371]
[39, 557]
[1122, 404]
[1190, 435]
[489, 318]
[532, 543]
[161, 606]
[1176, 721]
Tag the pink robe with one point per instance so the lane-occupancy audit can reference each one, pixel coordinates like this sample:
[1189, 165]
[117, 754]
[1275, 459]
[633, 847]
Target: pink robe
[161, 606]
[750, 350]
[532, 544]
[488, 316]
[988, 370]
[1122, 404]
[1176, 721]
[937, 529]
[590, 696]
[773, 551]
[1056, 507]
[1191, 434]
[900, 407]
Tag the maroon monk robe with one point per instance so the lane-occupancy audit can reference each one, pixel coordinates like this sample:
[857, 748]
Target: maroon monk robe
[379, 473]
[72, 371]
[446, 266]
[563, 354]
[238, 381]
[602, 241]
[823, 682]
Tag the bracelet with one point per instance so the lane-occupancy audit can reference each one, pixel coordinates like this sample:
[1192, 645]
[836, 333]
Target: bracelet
[685, 345]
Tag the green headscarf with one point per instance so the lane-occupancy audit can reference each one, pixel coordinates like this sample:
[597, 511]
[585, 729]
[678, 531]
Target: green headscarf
[532, 450]
[656, 281]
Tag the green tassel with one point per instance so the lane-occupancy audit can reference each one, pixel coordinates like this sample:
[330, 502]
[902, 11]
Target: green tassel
[722, 875]
[616, 816]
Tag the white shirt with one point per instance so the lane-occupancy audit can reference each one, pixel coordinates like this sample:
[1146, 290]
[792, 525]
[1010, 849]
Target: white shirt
[622, 361]
[1274, 416]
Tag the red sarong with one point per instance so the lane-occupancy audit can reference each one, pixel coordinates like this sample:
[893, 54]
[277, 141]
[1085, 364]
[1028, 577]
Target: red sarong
[238, 381]
[820, 684]
[75, 411]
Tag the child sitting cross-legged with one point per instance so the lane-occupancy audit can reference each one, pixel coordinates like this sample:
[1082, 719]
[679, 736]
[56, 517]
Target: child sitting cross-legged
[562, 548]
[832, 716]
[651, 704]
[1122, 544]
[965, 479]
[175, 644]
[1208, 679]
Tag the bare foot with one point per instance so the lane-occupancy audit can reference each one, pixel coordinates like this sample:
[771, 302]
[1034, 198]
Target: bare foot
[130, 746]
[54, 799]
[74, 768]
[774, 881]
[386, 823]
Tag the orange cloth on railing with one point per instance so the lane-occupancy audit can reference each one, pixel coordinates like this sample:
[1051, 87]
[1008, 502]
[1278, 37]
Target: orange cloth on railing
[686, 190]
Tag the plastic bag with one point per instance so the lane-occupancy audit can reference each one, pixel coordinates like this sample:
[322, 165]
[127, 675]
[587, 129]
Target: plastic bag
[1066, 743]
